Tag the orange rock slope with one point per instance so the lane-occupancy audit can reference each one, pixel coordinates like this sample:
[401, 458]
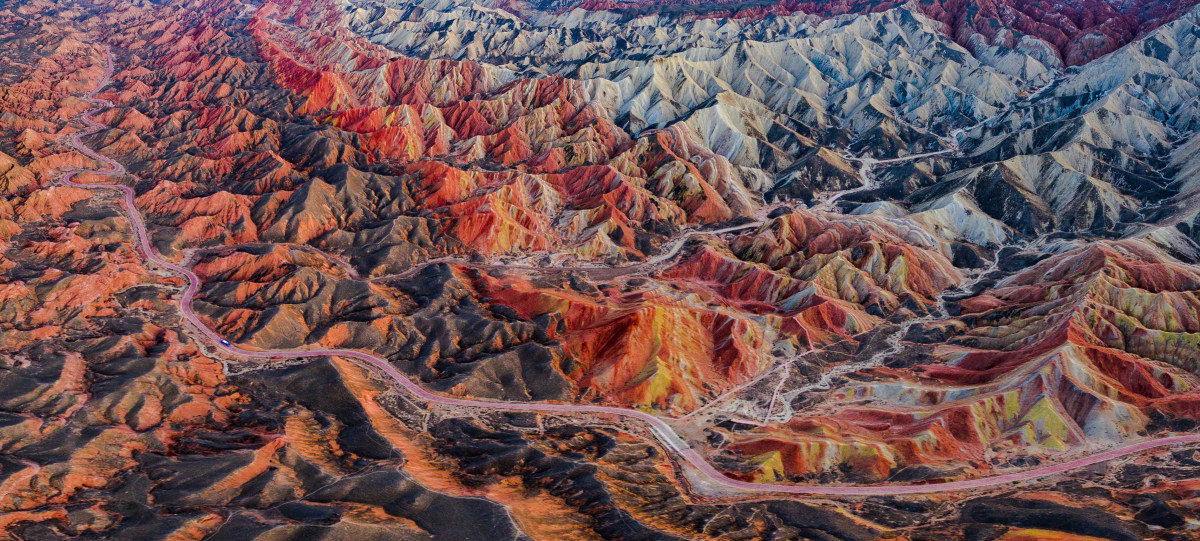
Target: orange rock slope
[388, 162]
[505, 236]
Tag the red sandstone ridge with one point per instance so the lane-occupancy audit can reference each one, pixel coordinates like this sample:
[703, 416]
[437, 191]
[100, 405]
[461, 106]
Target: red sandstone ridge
[727, 310]
[699, 239]
[473, 159]
[1086, 347]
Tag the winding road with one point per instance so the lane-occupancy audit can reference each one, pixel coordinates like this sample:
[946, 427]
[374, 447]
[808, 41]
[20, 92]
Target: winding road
[667, 435]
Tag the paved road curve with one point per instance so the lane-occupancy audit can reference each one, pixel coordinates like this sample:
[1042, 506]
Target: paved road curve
[661, 429]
